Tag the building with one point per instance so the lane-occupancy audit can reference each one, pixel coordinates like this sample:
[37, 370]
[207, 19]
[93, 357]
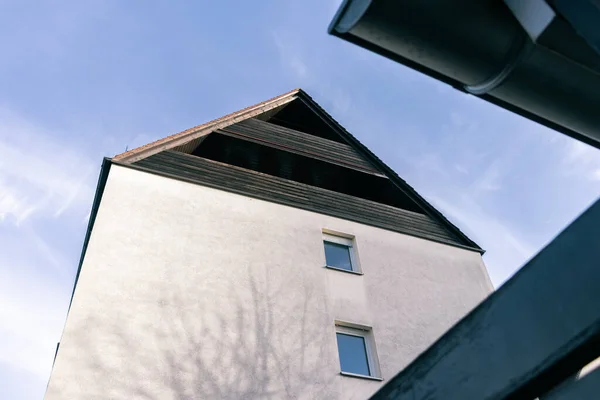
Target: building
[266, 254]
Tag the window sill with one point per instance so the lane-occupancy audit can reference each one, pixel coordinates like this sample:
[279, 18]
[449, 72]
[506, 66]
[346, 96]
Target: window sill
[343, 270]
[350, 374]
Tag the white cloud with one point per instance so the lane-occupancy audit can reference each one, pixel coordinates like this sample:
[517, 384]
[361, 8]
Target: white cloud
[581, 160]
[579, 152]
[45, 184]
[429, 161]
[461, 169]
[491, 178]
[39, 175]
[289, 55]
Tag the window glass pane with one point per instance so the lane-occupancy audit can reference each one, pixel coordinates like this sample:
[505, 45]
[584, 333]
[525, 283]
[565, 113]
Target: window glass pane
[353, 354]
[338, 255]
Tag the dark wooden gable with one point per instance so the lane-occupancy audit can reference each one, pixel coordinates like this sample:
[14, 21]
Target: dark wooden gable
[299, 116]
[297, 155]
[297, 142]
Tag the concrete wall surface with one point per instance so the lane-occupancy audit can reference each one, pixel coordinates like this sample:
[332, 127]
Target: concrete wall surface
[188, 292]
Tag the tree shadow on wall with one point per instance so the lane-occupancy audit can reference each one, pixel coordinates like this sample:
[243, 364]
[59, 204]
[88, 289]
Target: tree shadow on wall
[242, 344]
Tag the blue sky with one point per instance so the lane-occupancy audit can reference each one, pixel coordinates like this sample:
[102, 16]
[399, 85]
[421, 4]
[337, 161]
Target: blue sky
[83, 80]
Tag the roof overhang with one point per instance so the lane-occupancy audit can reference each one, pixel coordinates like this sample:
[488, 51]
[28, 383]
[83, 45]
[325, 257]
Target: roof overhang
[538, 58]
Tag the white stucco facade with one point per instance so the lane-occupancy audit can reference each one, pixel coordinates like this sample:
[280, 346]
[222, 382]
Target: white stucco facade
[193, 292]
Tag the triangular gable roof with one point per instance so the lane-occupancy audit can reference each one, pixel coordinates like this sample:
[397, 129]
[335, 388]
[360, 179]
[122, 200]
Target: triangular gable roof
[269, 106]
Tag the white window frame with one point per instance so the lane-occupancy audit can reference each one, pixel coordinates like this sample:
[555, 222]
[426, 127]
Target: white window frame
[365, 332]
[345, 240]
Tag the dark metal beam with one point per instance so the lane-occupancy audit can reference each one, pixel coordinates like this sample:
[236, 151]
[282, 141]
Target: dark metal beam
[538, 329]
[588, 387]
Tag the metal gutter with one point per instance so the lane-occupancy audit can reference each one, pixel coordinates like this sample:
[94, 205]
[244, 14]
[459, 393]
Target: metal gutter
[543, 69]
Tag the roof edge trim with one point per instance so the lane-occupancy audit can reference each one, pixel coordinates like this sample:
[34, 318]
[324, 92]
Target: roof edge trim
[102, 178]
[204, 129]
